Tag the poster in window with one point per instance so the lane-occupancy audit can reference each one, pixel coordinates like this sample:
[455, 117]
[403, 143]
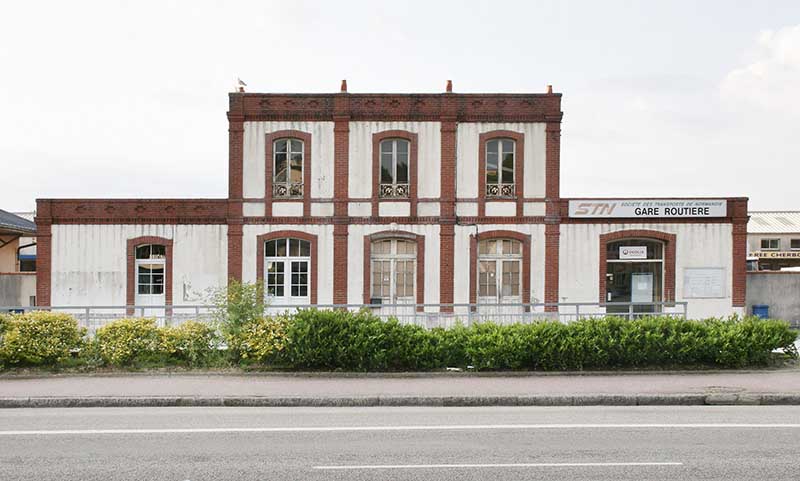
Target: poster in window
[641, 287]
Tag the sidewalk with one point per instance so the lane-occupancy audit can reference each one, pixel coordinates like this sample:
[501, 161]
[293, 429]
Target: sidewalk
[450, 389]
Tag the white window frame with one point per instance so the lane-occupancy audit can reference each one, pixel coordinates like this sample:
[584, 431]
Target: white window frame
[504, 189]
[659, 260]
[287, 261]
[769, 241]
[288, 189]
[499, 258]
[393, 258]
[394, 189]
[151, 261]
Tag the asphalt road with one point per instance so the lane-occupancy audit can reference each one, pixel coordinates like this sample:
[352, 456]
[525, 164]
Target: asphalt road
[628, 443]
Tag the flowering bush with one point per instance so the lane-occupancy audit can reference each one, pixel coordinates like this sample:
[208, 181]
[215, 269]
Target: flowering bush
[128, 342]
[260, 340]
[192, 343]
[39, 338]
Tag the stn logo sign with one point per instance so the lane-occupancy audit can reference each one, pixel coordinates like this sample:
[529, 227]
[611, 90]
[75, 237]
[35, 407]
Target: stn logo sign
[648, 208]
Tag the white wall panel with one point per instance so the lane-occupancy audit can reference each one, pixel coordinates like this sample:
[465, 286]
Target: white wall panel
[466, 209]
[428, 209]
[468, 137]
[531, 209]
[697, 245]
[253, 209]
[89, 265]
[287, 209]
[255, 134]
[324, 235]
[501, 209]
[394, 209]
[359, 209]
[321, 209]
[428, 155]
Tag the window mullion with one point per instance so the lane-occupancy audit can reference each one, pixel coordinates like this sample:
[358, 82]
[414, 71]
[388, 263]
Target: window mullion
[394, 162]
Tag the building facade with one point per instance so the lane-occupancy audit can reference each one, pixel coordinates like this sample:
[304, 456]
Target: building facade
[17, 260]
[395, 199]
[773, 240]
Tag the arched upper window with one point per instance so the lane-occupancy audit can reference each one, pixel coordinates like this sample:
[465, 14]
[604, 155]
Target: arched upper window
[287, 172]
[150, 269]
[500, 158]
[287, 267]
[499, 270]
[394, 159]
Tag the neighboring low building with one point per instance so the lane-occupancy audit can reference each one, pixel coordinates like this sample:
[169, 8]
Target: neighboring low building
[17, 272]
[773, 240]
[435, 199]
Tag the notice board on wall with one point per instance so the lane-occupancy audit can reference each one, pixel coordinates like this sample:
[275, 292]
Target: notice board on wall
[704, 282]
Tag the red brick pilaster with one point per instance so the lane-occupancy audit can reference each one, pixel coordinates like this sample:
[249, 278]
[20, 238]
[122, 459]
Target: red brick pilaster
[552, 239]
[447, 203]
[340, 236]
[43, 252]
[235, 186]
[737, 210]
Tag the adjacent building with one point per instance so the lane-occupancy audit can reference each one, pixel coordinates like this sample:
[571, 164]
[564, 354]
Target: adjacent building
[773, 240]
[17, 260]
[438, 199]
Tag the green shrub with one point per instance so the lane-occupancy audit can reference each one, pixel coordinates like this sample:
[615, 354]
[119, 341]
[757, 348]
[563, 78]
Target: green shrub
[192, 343]
[129, 342]
[39, 338]
[261, 340]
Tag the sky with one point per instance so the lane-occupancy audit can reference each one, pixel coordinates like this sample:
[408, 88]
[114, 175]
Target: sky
[128, 99]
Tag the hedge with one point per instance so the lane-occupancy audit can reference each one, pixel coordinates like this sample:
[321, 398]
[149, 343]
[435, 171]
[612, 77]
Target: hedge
[360, 341]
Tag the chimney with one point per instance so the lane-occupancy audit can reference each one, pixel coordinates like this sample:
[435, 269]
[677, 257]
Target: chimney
[449, 87]
[344, 85]
[549, 89]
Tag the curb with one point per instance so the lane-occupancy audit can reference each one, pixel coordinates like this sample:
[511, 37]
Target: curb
[726, 399]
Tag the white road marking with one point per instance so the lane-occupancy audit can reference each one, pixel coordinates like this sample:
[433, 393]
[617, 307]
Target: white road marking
[444, 427]
[511, 465]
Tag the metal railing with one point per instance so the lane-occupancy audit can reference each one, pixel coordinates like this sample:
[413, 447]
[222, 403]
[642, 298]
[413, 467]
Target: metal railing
[425, 315]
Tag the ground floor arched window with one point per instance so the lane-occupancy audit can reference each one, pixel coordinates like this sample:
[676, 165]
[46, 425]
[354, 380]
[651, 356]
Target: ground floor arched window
[393, 264]
[499, 271]
[635, 274]
[287, 267]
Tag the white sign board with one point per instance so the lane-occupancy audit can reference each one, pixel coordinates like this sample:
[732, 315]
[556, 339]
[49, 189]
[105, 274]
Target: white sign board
[704, 282]
[648, 208]
[633, 252]
[641, 287]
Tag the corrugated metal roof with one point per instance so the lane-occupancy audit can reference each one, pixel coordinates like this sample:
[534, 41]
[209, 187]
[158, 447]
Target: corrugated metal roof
[14, 223]
[774, 222]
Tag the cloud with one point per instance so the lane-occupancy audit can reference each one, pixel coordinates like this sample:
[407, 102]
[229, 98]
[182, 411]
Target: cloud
[770, 80]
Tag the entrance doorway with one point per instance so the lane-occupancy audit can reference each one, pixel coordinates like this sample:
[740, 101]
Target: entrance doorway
[635, 274]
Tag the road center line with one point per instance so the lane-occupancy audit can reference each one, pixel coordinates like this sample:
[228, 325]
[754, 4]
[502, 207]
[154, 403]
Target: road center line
[445, 427]
[511, 465]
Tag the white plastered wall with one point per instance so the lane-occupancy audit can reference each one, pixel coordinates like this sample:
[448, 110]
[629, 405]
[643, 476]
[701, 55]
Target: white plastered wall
[429, 149]
[355, 258]
[89, 262]
[324, 254]
[697, 245]
[254, 161]
[468, 139]
[462, 262]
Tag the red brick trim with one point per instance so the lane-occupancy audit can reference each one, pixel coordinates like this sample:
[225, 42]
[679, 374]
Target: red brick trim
[137, 211]
[377, 138]
[525, 239]
[235, 233]
[270, 141]
[413, 107]
[447, 199]
[446, 265]
[519, 169]
[235, 148]
[553, 160]
[552, 246]
[341, 238]
[668, 261]
[388, 234]
[283, 234]
[130, 291]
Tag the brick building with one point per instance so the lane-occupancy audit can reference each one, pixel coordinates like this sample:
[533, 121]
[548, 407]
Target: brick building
[396, 198]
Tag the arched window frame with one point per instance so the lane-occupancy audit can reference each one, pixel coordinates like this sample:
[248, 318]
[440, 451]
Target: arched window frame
[668, 258]
[526, 261]
[420, 273]
[519, 169]
[132, 244]
[290, 234]
[379, 137]
[305, 198]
